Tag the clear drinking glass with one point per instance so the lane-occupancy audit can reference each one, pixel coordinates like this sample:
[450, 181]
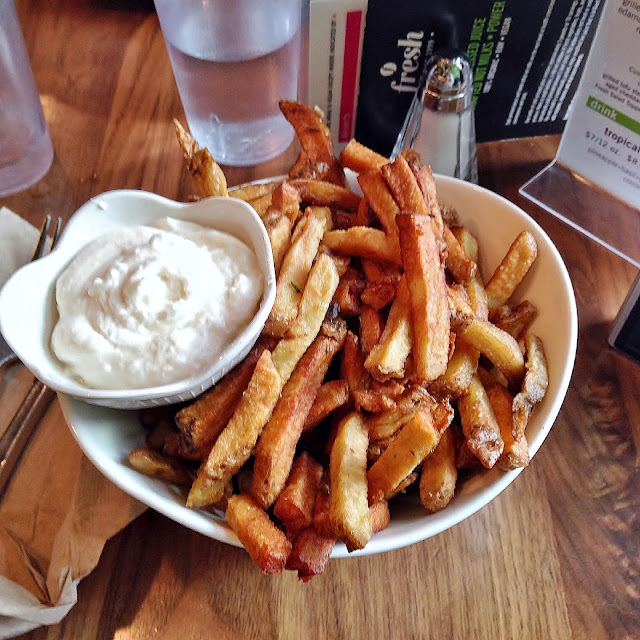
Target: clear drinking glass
[233, 60]
[25, 146]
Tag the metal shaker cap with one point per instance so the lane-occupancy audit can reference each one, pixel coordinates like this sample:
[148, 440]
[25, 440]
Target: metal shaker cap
[449, 84]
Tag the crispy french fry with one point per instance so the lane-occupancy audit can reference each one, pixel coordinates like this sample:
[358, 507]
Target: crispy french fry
[479, 424]
[497, 345]
[439, 475]
[427, 184]
[157, 465]
[317, 160]
[235, 444]
[294, 506]
[513, 268]
[455, 381]
[380, 516]
[265, 543]
[310, 553]
[475, 286]
[515, 320]
[320, 192]
[516, 452]
[460, 312]
[404, 186]
[252, 191]
[534, 386]
[316, 298]
[364, 242]
[359, 158]
[371, 328]
[294, 271]
[458, 264]
[348, 504]
[352, 367]
[331, 396]
[203, 420]
[388, 358]
[429, 299]
[347, 295]
[205, 171]
[380, 199]
[279, 231]
[385, 425]
[277, 443]
[415, 440]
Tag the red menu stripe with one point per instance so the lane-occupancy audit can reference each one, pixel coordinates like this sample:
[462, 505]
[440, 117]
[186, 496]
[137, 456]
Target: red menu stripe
[349, 75]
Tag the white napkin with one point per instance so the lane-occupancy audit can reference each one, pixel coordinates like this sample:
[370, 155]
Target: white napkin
[58, 510]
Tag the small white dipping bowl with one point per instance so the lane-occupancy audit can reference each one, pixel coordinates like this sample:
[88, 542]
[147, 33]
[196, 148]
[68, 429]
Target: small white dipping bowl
[27, 301]
[106, 435]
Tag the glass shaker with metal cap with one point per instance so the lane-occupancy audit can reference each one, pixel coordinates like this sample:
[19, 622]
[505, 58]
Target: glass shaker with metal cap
[440, 123]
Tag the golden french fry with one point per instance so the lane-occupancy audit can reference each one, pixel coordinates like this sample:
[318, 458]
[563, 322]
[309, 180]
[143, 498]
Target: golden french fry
[347, 295]
[359, 158]
[319, 192]
[371, 328]
[235, 444]
[276, 446]
[404, 186]
[157, 465]
[265, 543]
[497, 345]
[460, 312]
[294, 271]
[455, 381]
[534, 386]
[348, 503]
[427, 184]
[515, 320]
[479, 424]
[439, 475]
[380, 199]
[310, 553]
[388, 358]
[384, 425]
[429, 299]
[380, 516]
[516, 451]
[279, 231]
[252, 191]
[513, 268]
[294, 506]
[364, 242]
[458, 264]
[475, 286]
[331, 396]
[205, 171]
[415, 440]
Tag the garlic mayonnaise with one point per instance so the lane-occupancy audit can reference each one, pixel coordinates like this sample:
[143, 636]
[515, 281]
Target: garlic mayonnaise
[150, 305]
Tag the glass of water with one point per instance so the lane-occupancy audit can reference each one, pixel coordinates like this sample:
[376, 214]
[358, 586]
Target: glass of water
[25, 146]
[233, 60]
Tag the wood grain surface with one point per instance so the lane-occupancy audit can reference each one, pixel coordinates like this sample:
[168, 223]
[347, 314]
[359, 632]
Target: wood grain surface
[556, 555]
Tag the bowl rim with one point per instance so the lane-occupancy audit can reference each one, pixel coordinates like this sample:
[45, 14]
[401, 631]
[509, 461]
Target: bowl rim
[490, 483]
[247, 225]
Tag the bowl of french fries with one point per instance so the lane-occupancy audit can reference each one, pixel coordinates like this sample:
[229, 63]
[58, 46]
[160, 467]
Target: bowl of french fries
[416, 356]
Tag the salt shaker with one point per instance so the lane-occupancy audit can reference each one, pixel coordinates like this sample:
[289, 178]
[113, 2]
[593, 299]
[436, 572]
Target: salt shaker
[440, 123]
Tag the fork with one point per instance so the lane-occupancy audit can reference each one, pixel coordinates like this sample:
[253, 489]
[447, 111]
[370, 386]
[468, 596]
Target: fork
[37, 400]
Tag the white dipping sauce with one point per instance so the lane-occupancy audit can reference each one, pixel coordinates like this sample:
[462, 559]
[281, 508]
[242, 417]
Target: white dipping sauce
[150, 305]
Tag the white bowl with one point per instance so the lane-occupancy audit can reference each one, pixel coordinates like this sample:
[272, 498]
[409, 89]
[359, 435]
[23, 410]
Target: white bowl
[107, 436]
[27, 301]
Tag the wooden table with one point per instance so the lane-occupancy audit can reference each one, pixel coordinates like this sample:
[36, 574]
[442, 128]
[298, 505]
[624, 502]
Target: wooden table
[557, 555]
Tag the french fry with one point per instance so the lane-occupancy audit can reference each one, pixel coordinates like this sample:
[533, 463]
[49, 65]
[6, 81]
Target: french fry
[380, 199]
[202, 421]
[331, 396]
[371, 328]
[316, 298]
[455, 381]
[516, 452]
[252, 191]
[438, 475]
[317, 160]
[319, 192]
[424, 177]
[294, 271]
[388, 358]
[428, 294]
[265, 543]
[235, 444]
[460, 312]
[276, 446]
[498, 346]
[511, 271]
[347, 295]
[458, 264]
[404, 186]
[385, 425]
[205, 171]
[515, 320]
[415, 440]
[310, 553]
[294, 506]
[534, 386]
[364, 242]
[157, 465]
[479, 424]
[475, 286]
[348, 504]
[380, 516]
[359, 158]
[352, 367]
